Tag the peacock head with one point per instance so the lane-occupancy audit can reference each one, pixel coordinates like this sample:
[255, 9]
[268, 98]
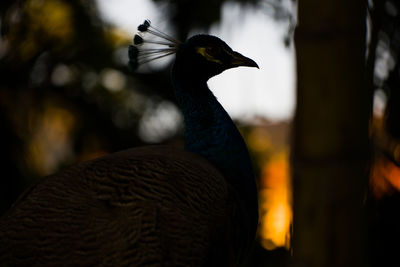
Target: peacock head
[200, 57]
[206, 56]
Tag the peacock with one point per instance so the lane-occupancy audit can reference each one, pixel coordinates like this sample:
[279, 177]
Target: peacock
[152, 205]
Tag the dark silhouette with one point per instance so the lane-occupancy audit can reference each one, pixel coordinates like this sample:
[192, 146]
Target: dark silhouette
[151, 205]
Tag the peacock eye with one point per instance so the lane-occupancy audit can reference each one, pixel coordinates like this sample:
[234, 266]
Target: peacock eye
[210, 53]
[213, 51]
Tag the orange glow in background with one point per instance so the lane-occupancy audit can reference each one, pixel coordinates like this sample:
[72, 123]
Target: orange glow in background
[275, 198]
[384, 174]
[268, 143]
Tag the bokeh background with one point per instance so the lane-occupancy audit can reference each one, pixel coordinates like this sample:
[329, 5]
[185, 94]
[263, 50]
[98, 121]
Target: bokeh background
[67, 96]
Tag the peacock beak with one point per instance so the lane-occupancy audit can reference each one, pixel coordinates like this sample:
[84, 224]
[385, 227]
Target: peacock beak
[240, 60]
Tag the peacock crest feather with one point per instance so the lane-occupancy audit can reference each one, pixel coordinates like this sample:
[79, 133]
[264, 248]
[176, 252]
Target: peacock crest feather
[150, 44]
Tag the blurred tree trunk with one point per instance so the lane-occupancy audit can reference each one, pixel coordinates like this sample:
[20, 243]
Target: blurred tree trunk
[330, 145]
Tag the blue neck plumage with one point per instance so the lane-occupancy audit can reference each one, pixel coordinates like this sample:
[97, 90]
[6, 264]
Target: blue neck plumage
[210, 132]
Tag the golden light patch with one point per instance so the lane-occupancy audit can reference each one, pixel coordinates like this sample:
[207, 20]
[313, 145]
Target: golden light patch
[50, 143]
[275, 203]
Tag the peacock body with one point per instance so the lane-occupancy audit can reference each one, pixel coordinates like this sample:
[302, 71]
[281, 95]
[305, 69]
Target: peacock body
[149, 206]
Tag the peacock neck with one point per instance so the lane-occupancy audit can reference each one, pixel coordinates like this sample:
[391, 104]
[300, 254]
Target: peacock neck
[211, 133]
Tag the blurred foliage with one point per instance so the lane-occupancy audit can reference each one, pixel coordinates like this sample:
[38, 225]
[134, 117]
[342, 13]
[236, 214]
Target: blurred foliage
[384, 71]
[53, 103]
[67, 96]
[187, 15]
[385, 16]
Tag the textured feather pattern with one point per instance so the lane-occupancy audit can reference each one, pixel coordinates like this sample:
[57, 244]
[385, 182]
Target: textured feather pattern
[151, 206]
